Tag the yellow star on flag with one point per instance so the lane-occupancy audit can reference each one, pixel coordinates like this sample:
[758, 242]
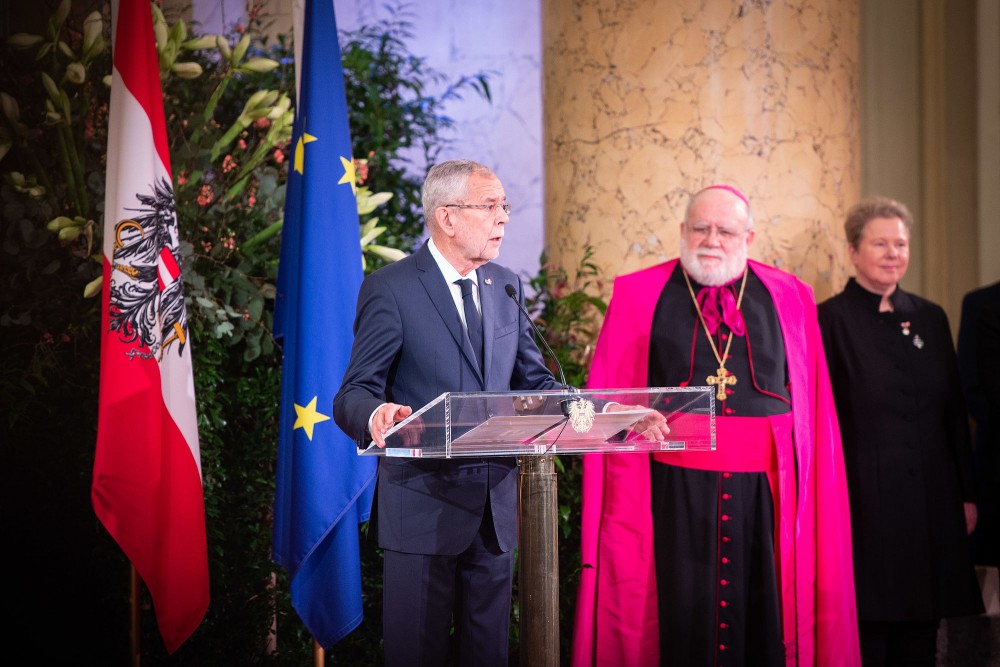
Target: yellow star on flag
[348, 176]
[300, 153]
[307, 417]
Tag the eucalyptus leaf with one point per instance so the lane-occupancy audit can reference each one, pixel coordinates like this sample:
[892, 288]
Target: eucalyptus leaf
[251, 351]
[256, 308]
[224, 329]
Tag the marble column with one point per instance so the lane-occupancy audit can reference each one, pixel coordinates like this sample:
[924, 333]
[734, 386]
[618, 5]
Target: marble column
[646, 101]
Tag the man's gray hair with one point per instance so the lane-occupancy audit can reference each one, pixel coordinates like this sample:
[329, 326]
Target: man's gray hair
[447, 182]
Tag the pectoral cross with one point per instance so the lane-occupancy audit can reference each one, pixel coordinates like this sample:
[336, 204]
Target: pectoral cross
[721, 378]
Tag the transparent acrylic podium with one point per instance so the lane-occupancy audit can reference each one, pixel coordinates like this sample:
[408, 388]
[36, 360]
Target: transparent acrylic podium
[536, 426]
[482, 424]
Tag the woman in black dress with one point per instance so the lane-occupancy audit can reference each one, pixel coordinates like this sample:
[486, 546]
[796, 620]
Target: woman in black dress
[906, 445]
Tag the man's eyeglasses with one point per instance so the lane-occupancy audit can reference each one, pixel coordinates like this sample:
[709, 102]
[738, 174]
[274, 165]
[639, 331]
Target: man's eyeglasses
[700, 230]
[491, 209]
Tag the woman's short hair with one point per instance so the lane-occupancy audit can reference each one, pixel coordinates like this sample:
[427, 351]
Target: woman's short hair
[870, 208]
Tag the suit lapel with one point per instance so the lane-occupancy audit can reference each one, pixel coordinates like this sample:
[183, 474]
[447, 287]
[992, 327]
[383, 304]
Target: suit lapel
[440, 295]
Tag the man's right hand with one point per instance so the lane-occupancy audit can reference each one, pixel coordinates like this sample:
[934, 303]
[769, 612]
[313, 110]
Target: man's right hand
[385, 417]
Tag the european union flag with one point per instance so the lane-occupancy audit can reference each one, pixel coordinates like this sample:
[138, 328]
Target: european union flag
[323, 488]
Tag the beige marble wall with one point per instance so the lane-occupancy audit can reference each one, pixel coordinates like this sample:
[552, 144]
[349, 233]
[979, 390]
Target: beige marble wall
[645, 101]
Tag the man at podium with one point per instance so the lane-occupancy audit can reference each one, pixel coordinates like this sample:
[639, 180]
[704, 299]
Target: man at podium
[441, 321]
[739, 556]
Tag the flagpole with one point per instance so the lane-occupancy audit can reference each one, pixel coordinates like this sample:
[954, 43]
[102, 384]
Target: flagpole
[133, 598]
[319, 656]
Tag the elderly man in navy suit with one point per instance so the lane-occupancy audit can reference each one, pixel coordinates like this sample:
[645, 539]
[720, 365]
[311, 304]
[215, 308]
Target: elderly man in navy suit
[441, 321]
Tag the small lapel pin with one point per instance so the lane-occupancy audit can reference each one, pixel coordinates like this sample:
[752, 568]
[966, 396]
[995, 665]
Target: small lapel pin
[906, 328]
[918, 342]
[488, 281]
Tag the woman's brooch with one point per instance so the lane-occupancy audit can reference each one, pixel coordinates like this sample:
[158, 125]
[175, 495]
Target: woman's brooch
[918, 342]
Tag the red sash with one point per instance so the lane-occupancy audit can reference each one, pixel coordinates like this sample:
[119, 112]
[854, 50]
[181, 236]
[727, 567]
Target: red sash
[742, 444]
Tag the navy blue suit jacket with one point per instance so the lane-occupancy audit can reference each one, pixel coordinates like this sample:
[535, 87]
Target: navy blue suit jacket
[409, 348]
[978, 362]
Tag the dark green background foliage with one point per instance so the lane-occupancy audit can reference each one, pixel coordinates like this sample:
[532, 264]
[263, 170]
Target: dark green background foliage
[70, 592]
[397, 122]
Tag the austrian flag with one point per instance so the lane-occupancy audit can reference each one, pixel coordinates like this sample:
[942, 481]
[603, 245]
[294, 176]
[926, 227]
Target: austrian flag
[147, 485]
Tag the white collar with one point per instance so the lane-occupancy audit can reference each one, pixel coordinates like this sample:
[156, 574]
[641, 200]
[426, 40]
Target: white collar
[449, 272]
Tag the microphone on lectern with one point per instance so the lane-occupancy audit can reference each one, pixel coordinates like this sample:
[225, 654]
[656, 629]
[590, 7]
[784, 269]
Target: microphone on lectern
[512, 293]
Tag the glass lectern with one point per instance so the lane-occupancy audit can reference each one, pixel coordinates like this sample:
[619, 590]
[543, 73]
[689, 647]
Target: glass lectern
[536, 426]
[552, 422]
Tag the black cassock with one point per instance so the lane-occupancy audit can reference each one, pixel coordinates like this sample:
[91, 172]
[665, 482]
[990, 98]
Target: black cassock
[907, 454]
[714, 613]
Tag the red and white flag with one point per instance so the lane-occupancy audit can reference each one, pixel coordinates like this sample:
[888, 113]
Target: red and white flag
[147, 486]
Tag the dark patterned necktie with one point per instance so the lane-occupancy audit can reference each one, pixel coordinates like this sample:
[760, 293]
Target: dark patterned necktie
[473, 322]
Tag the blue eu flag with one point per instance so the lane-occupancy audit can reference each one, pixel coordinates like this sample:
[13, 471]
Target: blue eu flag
[323, 488]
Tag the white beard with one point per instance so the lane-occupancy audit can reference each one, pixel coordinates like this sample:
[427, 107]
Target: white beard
[730, 269]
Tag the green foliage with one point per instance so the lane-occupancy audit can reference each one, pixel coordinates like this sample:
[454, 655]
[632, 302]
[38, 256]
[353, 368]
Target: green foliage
[567, 314]
[59, 95]
[52, 143]
[227, 101]
[229, 159]
[397, 123]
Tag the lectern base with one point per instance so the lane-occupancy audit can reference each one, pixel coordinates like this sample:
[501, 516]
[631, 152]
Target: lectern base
[538, 578]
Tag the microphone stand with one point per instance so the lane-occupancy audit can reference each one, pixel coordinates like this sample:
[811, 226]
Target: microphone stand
[566, 403]
[538, 560]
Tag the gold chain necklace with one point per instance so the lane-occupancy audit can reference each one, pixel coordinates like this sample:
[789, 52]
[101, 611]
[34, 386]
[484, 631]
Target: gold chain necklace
[722, 377]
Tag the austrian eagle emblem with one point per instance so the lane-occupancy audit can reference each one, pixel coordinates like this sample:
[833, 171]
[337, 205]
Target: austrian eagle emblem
[146, 292]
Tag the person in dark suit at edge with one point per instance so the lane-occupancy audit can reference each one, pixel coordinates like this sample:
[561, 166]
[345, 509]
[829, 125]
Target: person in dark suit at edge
[448, 527]
[978, 363]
